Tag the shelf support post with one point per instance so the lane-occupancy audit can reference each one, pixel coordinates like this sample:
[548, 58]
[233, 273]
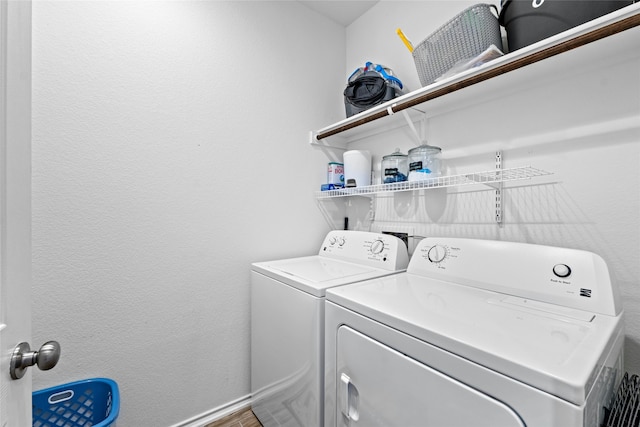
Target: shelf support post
[499, 188]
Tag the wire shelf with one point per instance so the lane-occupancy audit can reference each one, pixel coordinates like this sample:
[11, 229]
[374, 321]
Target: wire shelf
[486, 177]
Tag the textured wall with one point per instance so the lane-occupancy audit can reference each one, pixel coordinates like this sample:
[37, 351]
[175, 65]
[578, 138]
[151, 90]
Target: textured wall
[169, 152]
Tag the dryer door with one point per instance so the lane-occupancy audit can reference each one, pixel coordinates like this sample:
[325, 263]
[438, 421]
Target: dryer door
[379, 386]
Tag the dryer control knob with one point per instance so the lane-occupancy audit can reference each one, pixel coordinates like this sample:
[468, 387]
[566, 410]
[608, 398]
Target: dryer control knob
[341, 241]
[377, 246]
[437, 253]
[562, 270]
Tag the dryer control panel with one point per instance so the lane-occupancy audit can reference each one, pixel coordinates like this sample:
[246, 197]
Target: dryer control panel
[566, 277]
[374, 249]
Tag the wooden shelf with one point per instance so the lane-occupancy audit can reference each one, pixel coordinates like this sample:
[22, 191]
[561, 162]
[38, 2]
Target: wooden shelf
[564, 48]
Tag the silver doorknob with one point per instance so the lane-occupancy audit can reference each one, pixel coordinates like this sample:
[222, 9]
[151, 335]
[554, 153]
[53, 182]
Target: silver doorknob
[46, 358]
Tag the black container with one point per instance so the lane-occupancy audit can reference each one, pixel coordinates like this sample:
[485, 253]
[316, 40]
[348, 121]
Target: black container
[529, 21]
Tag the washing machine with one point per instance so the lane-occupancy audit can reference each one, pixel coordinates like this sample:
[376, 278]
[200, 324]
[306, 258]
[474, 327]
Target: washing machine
[287, 320]
[476, 333]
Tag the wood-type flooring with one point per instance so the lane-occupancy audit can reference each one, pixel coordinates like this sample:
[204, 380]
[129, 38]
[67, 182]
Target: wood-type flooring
[242, 418]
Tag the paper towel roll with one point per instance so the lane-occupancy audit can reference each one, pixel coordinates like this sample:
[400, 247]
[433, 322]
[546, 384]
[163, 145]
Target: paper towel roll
[357, 168]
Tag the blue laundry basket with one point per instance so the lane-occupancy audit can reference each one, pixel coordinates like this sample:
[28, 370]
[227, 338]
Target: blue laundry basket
[93, 402]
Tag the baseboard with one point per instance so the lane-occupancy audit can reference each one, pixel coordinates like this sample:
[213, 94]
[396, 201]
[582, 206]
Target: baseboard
[216, 413]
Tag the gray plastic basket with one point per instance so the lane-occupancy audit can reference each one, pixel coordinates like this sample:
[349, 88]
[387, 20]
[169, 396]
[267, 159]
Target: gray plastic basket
[465, 36]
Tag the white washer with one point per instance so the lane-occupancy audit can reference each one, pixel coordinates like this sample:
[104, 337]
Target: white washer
[287, 321]
[480, 333]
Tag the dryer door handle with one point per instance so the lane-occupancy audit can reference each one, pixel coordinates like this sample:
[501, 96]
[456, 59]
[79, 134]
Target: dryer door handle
[348, 397]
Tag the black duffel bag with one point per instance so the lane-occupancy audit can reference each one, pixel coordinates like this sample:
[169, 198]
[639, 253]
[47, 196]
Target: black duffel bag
[366, 91]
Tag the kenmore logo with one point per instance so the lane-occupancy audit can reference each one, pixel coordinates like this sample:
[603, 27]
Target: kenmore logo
[585, 292]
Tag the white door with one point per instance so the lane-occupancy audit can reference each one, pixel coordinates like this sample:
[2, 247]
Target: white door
[15, 205]
[378, 386]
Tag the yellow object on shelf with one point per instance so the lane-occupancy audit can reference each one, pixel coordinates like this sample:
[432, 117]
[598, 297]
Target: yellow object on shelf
[404, 39]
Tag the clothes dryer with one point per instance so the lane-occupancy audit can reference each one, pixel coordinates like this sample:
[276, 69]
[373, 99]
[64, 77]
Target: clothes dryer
[480, 333]
[287, 321]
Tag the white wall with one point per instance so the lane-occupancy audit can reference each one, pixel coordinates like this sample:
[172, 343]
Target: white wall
[584, 127]
[169, 152]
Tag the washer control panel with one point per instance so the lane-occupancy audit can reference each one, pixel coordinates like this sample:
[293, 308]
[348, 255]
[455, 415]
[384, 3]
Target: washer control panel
[568, 277]
[374, 249]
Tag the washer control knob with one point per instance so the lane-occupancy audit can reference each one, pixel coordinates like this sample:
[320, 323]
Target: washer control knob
[332, 241]
[377, 246]
[561, 270]
[437, 253]
[341, 241]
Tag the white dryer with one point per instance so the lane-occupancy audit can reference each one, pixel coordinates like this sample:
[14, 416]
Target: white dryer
[287, 321]
[476, 333]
